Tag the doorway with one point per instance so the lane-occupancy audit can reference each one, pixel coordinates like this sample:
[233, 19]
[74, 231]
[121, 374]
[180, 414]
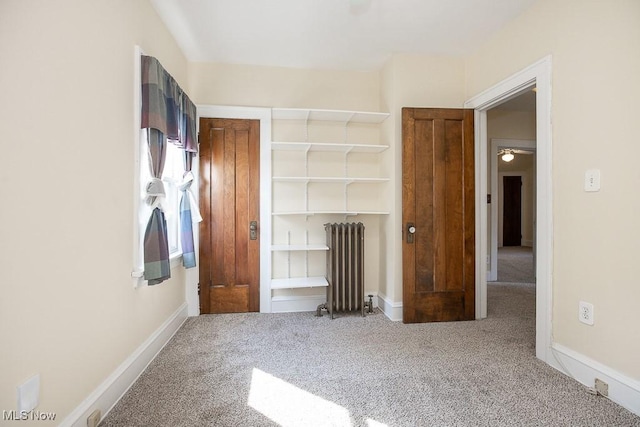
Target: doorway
[536, 75]
[523, 165]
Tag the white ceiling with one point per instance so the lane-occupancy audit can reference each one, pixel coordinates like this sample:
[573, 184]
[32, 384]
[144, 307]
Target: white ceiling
[331, 34]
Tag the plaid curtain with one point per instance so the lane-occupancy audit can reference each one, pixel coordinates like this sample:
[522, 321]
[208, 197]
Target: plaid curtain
[189, 214]
[170, 116]
[156, 244]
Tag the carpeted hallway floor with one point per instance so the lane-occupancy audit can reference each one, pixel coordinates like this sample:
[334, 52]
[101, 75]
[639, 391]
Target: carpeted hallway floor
[515, 264]
[298, 370]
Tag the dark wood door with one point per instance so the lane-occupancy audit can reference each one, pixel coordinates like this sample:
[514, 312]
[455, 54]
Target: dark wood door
[229, 202]
[438, 212]
[511, 211]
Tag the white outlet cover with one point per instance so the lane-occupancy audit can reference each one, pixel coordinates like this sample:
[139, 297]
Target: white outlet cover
[592, 180]
[585, 313]
[29, 394]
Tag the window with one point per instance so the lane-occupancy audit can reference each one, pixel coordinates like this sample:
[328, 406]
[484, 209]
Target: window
[163, 109]
[171, 178]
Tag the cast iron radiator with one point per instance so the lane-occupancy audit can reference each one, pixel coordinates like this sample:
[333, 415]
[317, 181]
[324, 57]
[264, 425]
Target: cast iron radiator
[345, 269]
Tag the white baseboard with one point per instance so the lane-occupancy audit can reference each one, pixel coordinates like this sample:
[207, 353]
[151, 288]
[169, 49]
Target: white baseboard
[116, 385]
[623, 390]
[528, 243]
[391, 309]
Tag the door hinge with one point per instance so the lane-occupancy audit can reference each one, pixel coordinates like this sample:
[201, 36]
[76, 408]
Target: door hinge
[488, 198]
[198, 288]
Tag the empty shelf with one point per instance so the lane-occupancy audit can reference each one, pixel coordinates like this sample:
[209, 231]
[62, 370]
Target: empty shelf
[299, 282]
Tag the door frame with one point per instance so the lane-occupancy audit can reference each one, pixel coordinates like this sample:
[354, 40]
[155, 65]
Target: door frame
[191, 275]
[496, 145]
[537, 74]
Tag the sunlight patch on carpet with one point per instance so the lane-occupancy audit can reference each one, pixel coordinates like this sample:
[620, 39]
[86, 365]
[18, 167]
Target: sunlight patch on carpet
[289, 405]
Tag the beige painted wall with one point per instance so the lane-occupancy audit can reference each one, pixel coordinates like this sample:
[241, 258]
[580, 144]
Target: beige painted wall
[68, 309]
[595, 61]
[260, 86]
[410, 81]
[510, 124]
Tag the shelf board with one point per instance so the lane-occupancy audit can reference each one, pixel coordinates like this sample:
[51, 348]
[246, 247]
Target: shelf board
[328, 146]
[349, 213]
[299, 247]
[328, 115]
[299, 282]
[337, 180]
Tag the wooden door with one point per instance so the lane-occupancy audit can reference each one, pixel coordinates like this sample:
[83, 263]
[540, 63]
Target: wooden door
[438, 204]
[230, 204]
[511, 211]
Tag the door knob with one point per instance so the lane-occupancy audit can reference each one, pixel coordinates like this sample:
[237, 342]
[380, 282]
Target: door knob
[411, 230]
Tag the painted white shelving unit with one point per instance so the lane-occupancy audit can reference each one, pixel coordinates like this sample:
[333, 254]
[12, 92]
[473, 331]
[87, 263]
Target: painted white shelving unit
[293, 268]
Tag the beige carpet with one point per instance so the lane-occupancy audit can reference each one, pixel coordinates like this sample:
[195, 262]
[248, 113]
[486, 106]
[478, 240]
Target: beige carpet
[515, 265]
[299, 370]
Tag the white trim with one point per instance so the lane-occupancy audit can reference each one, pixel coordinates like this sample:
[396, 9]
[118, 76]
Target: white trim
[623, 390]
[116, 385]
[538, 74]
[251, 113]
[391, 309]
[496, 145]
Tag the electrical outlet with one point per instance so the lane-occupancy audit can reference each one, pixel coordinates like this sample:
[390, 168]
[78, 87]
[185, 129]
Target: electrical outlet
[585, 313]
[601, 387]
[29, 394]
[94, 419]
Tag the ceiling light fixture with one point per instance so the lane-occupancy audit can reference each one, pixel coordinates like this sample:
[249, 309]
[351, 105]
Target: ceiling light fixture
[508, 155]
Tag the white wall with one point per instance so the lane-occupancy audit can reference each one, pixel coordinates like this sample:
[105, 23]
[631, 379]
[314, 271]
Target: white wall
[68, 308]
[595, 61]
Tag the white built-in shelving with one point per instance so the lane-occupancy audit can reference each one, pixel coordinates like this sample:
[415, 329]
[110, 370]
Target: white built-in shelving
[334, 185]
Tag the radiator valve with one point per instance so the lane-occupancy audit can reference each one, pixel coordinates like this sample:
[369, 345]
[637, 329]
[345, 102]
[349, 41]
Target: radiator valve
[370, 304]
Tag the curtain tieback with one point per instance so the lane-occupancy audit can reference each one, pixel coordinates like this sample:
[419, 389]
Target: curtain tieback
[155, 188]
[155, 193]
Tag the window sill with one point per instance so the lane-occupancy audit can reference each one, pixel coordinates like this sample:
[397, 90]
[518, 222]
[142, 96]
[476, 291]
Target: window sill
[175, 260]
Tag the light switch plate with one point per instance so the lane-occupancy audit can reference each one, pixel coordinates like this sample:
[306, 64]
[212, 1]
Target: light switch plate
[29, 394]
[592, 180]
